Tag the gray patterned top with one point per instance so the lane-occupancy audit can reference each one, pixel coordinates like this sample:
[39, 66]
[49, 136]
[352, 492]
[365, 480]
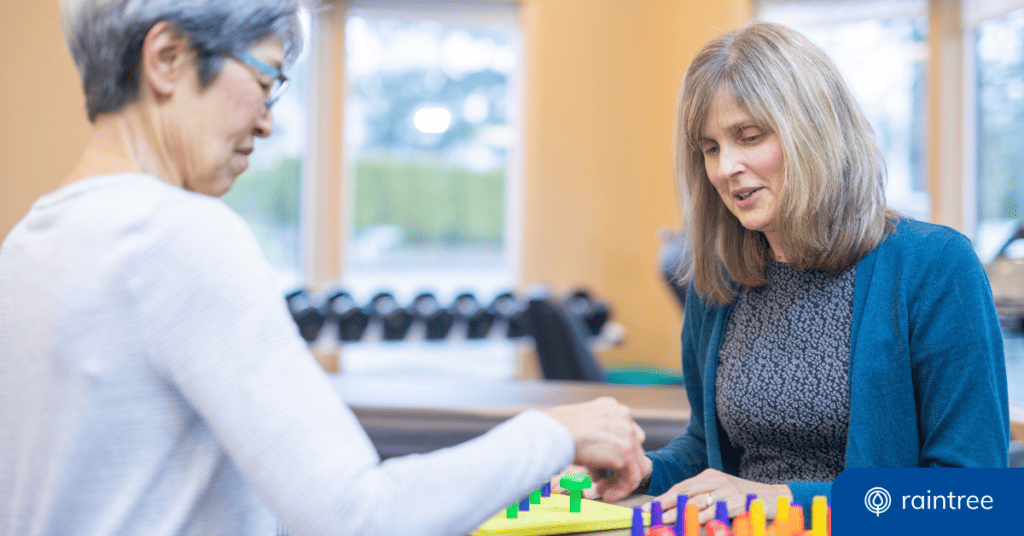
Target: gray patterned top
[782, 390]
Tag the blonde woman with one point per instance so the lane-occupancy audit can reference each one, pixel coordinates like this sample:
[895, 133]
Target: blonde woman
[822, 330]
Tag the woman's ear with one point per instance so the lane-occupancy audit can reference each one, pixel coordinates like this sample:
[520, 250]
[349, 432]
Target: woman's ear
[167, 58]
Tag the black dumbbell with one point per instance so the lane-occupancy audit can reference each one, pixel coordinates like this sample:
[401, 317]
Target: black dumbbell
[594, 313]
[395, 319]
[308, 316]
[351, 318]
[513, 311]
[437, 320]
[478, 319]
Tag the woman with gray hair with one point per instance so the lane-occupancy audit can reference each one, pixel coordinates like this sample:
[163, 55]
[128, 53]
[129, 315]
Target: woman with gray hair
[823, 331]
[151, 379]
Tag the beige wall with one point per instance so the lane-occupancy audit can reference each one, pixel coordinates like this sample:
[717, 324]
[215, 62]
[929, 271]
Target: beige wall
[602, 78]
[601, 83]
[43, 110]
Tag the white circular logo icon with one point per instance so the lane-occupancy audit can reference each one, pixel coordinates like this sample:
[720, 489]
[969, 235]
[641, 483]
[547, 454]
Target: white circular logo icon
[877, 500]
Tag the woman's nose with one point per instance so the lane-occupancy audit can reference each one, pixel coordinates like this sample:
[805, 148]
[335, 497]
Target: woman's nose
[264, 124]
[730, 161]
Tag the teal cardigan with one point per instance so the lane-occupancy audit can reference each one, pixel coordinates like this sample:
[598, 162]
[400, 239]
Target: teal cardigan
[927, 373]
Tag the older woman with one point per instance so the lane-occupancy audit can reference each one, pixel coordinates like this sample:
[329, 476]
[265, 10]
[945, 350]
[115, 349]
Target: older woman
[822, 330]
[151, 379]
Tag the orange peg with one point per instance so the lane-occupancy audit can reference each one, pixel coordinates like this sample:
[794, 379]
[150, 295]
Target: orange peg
[741, 525]
[690, 523]
[796, 520]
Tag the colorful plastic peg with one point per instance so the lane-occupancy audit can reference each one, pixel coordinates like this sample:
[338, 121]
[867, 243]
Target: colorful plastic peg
[819, 515]
[681, 501]
[512, 512]
[722, 512]
[637, 528]
[535, 496]
[717, 528]
[656, 514]
[692, 524]
[575, 483]
[741, 525]
[758, 521]
[782, 516]
[796, 519]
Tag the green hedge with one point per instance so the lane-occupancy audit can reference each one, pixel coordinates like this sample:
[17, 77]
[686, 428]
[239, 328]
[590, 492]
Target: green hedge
[432, 202]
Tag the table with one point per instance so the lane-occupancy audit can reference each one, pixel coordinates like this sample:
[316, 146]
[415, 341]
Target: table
[407, 415]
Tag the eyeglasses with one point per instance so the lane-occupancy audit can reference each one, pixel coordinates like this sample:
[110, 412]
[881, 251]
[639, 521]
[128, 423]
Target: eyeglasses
[280, 80]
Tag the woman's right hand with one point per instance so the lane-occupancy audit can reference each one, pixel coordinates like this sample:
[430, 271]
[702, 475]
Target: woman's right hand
[609, 445]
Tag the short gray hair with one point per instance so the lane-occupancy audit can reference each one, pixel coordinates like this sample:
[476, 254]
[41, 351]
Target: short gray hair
[105, 38]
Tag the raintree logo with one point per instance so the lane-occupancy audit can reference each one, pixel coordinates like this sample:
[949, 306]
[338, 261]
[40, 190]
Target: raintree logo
[877, 500]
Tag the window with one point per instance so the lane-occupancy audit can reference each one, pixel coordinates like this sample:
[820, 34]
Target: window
[430, 158]
[999, 63]
[267, 195]
[881, 49]
[998, 81]
[430, 134]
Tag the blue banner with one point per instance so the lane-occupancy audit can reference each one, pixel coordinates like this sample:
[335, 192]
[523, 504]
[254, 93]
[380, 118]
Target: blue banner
[928, 501]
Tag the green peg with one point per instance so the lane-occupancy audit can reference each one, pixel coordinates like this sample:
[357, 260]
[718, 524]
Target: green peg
[535, 496]
[575, 483]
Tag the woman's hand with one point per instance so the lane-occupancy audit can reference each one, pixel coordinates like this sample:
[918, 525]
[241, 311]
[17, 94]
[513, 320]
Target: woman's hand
[609, 487]
[608, 444]
[711, 486]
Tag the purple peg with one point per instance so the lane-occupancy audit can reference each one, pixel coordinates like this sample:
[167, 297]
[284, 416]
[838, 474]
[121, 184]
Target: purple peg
[722, 512]
[638, 522]
[680, 510]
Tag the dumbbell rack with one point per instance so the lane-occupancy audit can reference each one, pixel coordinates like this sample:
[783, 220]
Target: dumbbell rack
[335, 319]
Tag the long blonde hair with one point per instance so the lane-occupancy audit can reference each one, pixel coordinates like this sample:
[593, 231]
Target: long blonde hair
[832, 204]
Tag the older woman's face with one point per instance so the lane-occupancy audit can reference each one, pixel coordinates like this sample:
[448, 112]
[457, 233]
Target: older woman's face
[216, 125]
[744, 163]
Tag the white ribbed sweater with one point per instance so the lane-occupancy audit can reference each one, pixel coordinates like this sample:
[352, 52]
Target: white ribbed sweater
[153, 383]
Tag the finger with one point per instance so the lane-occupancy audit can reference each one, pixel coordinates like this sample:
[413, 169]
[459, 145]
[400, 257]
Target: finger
[639, 434]
[621, 484]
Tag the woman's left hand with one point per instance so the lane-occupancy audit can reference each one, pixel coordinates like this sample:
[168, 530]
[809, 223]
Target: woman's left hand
[711, 486]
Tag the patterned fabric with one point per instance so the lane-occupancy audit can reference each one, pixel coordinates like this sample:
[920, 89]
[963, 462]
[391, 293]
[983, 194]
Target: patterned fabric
[782, 390]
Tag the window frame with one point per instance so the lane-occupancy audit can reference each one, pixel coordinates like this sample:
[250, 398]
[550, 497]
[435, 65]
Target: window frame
[329, 184]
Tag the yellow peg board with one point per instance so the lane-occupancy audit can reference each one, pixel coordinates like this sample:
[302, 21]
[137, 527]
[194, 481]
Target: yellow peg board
[552, 516]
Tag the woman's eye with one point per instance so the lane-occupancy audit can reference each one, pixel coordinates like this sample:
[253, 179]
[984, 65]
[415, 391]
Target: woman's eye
[711, 150]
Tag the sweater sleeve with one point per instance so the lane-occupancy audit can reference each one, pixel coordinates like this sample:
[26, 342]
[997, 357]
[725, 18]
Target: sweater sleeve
[217, 327]
[956, 357]
[686, 455]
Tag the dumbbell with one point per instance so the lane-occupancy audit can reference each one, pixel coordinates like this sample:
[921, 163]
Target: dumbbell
[435, 318]
[510, 309]
[395, 319]
[308, 316]
[478, 319]
[594, 313]
[351, 318]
